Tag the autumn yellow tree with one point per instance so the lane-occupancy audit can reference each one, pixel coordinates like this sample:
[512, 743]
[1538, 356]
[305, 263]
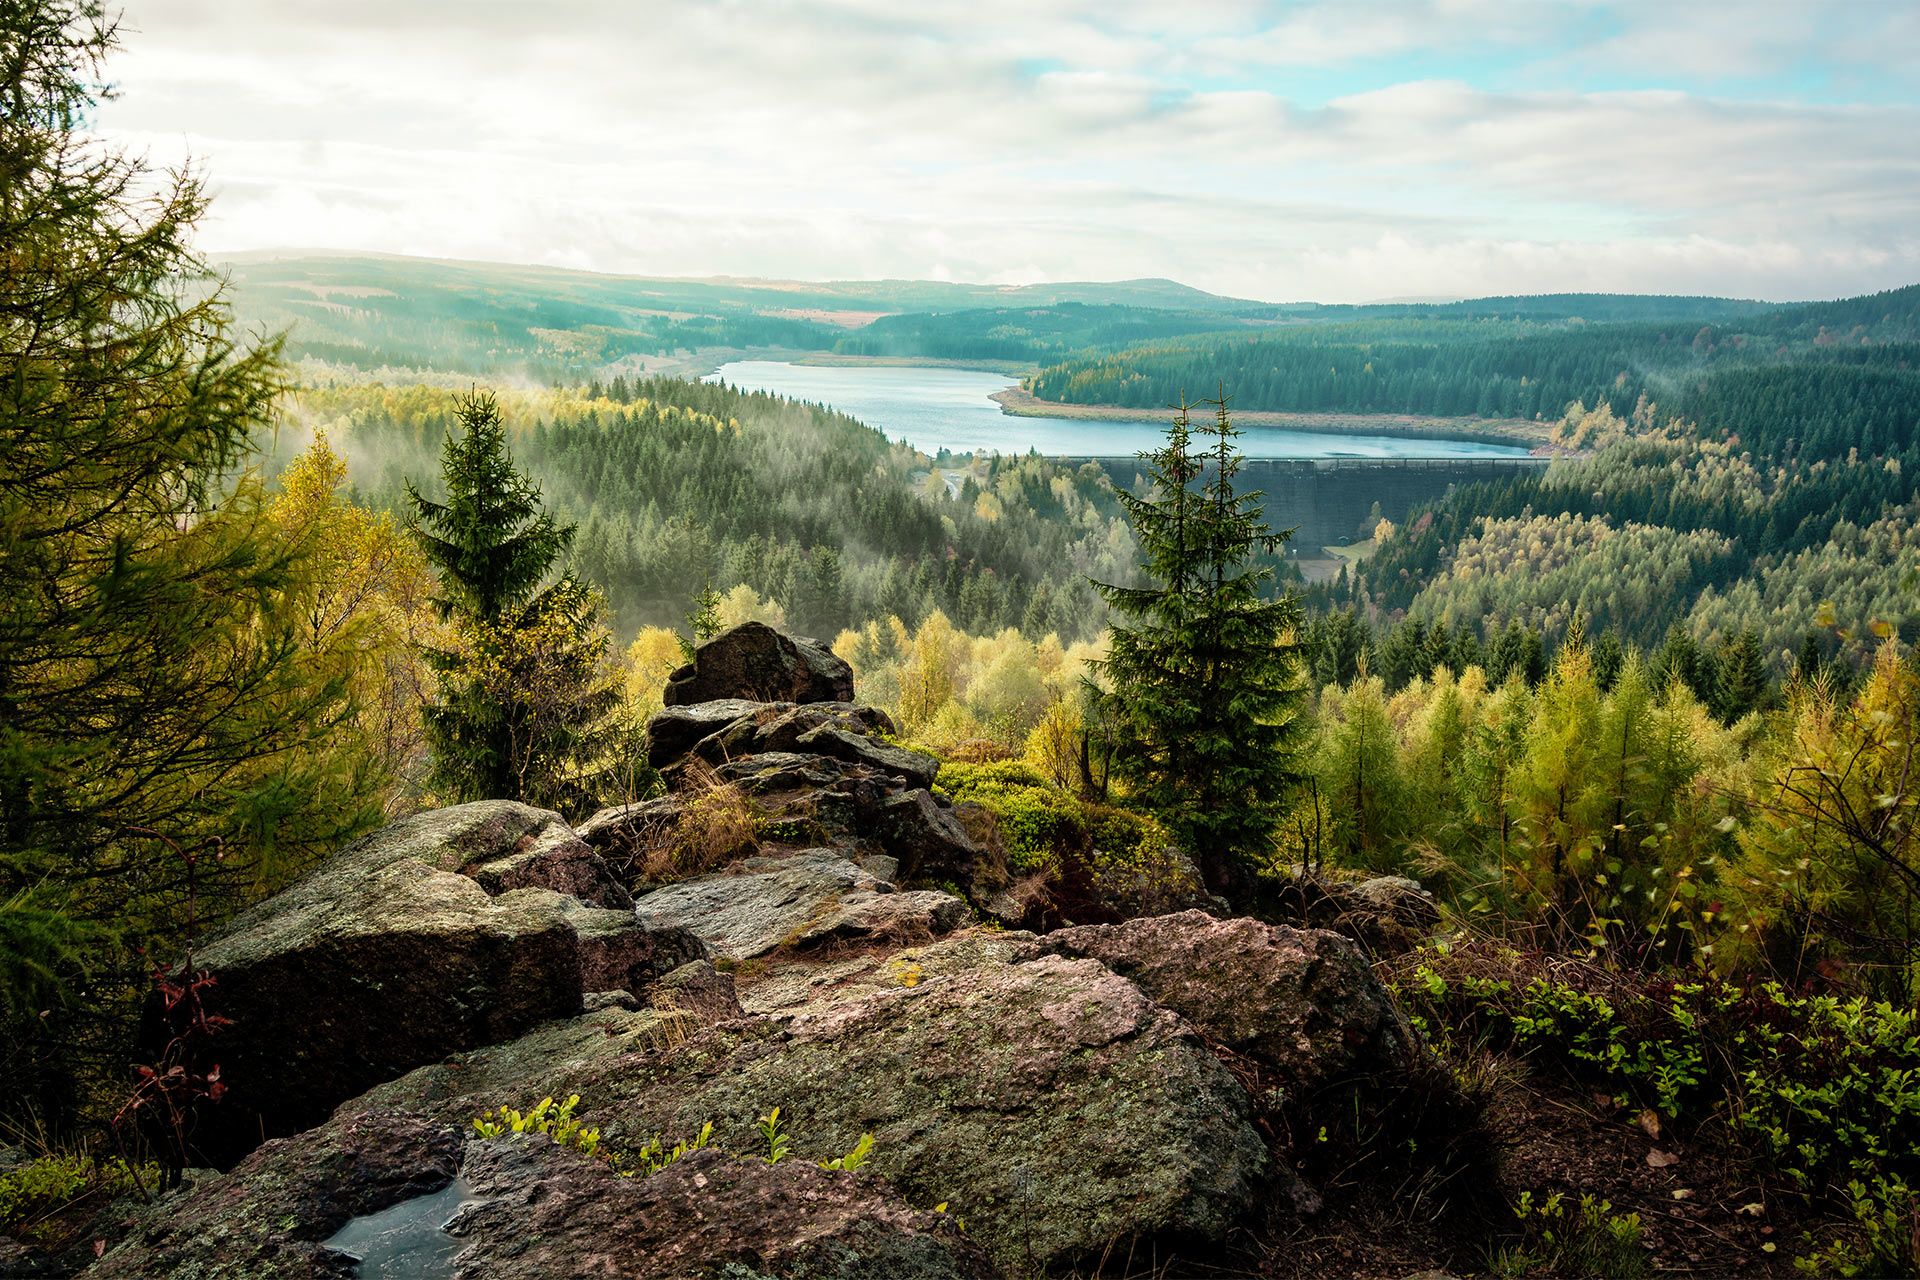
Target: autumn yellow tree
[371, 594]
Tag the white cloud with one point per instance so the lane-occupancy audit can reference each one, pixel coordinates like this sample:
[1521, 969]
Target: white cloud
[1000, 140]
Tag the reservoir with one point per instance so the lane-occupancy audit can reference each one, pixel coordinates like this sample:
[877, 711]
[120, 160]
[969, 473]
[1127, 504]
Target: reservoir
[939, 408]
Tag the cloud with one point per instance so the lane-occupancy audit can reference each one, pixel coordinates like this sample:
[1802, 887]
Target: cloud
[997, 140]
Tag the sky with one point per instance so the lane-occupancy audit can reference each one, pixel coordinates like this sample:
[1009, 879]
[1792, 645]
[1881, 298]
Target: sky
[1343, 151]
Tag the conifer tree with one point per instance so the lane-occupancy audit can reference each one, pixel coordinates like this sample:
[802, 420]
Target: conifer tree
[1741, 683]
[527, 701]
[155, 690]
[1203, 668]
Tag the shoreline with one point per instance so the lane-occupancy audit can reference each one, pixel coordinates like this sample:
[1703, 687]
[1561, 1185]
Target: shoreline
[1016, 401]
[1021, 403]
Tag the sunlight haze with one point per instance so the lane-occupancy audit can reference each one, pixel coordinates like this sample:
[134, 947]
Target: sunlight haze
[1336, 152]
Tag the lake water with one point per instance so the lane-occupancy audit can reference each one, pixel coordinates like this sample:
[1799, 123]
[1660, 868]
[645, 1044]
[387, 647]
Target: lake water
[937, 408]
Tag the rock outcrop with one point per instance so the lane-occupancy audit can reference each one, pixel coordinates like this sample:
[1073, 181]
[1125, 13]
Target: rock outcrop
[1302, 1001]
[1048, 1100]
[1072, 1096]
[542, 1212]
[753, 660]
[436, 934]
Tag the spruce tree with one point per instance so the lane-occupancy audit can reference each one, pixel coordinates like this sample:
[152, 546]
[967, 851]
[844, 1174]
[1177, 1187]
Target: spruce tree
[1741, 682]
[526, 701]
[1203, 668]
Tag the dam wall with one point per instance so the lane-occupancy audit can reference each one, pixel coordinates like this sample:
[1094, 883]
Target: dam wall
[1329, 501]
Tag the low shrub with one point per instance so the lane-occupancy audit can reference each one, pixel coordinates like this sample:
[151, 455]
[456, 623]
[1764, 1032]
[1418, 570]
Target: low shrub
[1558, 1239]
[1094, 860]
[1822, 1090]
[36, 1194]
[559, 1124]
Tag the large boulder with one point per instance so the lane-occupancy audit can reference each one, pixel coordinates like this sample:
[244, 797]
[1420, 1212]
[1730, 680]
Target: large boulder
[272, 1214]
[1048, 1101]
[393, 953]
[674, 731]
[1302, 1001]
[542, 1212]
[812, 897]
[755, 662]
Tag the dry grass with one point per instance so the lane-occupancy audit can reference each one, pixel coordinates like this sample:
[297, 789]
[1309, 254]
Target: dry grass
[715, 827]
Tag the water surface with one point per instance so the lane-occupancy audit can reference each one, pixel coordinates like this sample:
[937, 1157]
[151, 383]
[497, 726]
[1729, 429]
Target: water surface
[939, 408]
[405, 1242]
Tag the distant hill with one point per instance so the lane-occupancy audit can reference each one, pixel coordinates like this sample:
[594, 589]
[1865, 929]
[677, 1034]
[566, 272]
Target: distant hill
[373, 310]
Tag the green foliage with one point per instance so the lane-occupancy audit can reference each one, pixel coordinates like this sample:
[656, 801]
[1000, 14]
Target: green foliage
[1828, 870]
[653, 1157]
[1040, 824]
[42, 949]
[1886, 1241]
[1824, 1089]
[154, 670]
[1203, 672]
[774, 1134]
[1658, 528]
[854, 1158]
[527, 700]
[1037, 820]
[557, 1123]
[1558, 1239]
[1777, 380]
[676, 484]
[39, 1190]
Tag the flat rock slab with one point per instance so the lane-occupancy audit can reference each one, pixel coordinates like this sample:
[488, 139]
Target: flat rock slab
[1048, 1101]
[806, 899]
[544, 1212]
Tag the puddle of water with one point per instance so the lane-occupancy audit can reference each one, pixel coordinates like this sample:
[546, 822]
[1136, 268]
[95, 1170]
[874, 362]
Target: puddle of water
[406, 1242]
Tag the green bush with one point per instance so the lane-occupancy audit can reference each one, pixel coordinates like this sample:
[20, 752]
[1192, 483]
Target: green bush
[40, 1189]
[1037, 820]
[1041, 823]
[1824, 1090]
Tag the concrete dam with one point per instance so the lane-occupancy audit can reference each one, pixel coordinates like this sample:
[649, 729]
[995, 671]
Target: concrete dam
[1330, 501]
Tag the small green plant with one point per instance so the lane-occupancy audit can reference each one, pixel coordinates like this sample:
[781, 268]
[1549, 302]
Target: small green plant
[779, 1141]
[33, 1193]
[1558, 1240]
[1886, 1212]
[652, 1158]
[557, 1123]
[854, 1158]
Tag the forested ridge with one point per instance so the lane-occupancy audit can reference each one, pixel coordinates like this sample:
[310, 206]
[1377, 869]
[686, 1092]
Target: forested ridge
[1814, 380]
[678, 486]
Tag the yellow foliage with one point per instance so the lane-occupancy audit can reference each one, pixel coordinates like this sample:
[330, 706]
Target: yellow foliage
[372, 596]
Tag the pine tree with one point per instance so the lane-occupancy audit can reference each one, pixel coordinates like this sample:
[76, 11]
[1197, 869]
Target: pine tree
[1203, 668]
[527, 700]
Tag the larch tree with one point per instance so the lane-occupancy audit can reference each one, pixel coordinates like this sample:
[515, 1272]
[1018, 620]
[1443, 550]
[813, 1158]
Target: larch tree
[156, 691]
